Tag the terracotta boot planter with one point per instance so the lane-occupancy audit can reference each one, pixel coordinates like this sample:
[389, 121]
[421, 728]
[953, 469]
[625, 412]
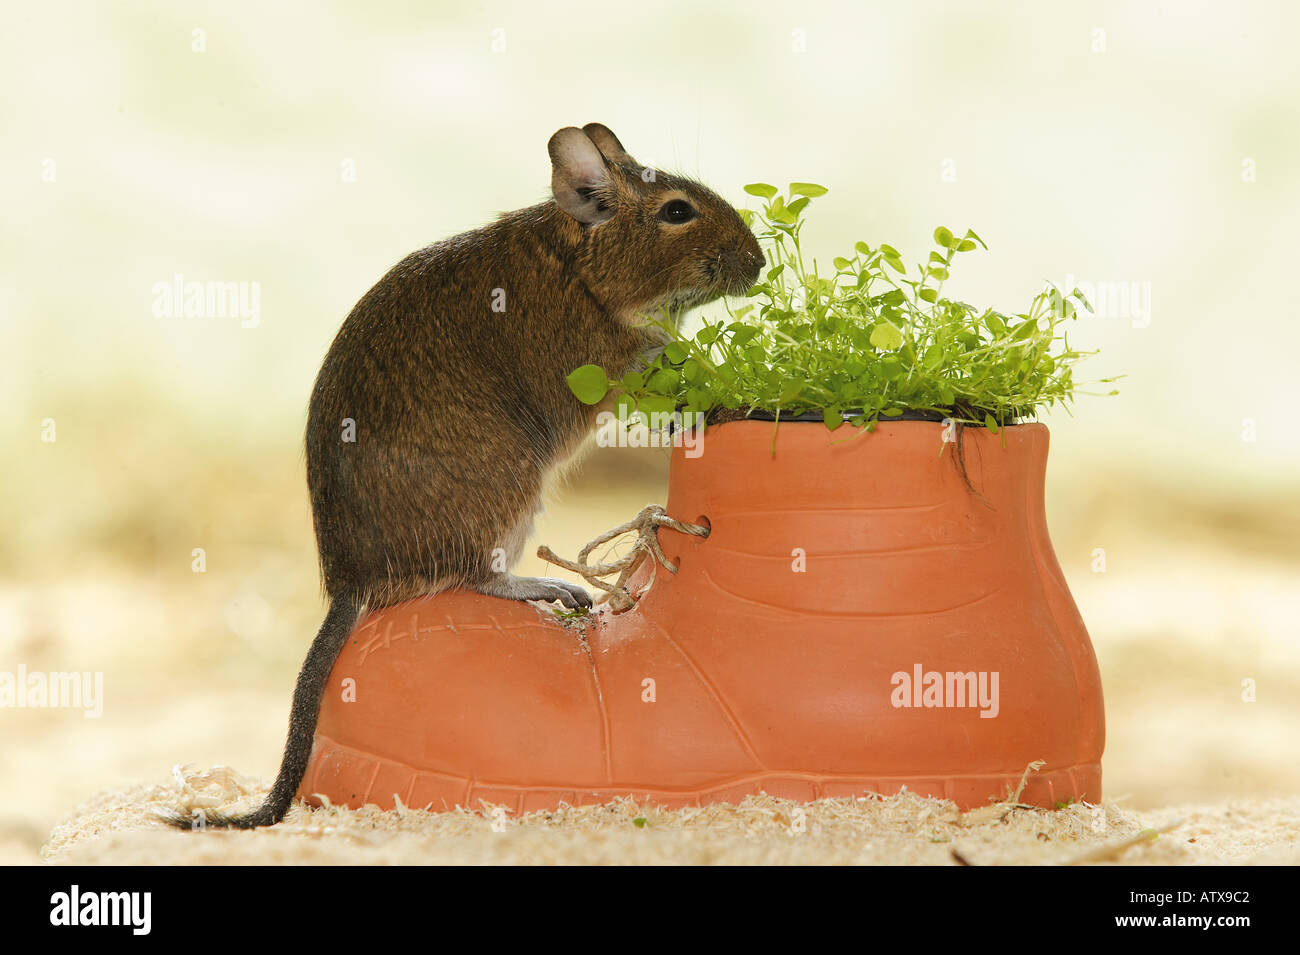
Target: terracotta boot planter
[782, 657]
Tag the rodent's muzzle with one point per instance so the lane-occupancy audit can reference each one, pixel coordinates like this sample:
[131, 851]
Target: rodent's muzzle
[742, 265]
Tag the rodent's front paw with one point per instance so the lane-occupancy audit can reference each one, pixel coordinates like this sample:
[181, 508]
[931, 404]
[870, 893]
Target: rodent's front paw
[551, 588]
[539, 588]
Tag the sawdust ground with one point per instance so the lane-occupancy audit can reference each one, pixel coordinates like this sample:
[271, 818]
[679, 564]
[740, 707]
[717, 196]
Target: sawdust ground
[117, 828]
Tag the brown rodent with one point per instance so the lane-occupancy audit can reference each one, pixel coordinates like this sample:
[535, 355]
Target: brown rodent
[442, 404]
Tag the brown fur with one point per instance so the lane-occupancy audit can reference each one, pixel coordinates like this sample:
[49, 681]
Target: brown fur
[461, 411]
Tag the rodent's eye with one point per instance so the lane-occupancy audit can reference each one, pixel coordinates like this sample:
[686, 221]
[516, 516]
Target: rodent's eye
[676, 211]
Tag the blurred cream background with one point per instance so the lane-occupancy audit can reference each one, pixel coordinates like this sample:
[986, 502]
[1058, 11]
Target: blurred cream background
[306, 148]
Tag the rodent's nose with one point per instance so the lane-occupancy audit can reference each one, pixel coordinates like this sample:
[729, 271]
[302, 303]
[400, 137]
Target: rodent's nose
[747, 262]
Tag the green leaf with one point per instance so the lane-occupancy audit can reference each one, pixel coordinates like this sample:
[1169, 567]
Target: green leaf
[927, 294]
[807, 189]
[833, 417]
[675, 352]
[886, 337]
[664, 381]
[589, 383]
[895, 264]
[943, 237]
[657, 404]
[1024, 330]
[991, 423]
[891, 368]
[761, 189]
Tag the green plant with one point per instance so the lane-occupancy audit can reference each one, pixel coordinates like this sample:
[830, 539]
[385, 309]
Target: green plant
[865, 341]
[574, 614]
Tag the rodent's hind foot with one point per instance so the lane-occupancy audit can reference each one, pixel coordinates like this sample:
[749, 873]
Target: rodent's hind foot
[536, 588]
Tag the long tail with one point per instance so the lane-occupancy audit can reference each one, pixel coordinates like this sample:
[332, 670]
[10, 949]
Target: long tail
[339, 621]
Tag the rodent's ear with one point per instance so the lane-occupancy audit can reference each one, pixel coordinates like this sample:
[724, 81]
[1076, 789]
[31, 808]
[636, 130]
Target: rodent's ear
[579, 177]
[608, 144]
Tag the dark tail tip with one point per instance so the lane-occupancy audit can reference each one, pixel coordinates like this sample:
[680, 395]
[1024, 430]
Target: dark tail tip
[203, 819]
